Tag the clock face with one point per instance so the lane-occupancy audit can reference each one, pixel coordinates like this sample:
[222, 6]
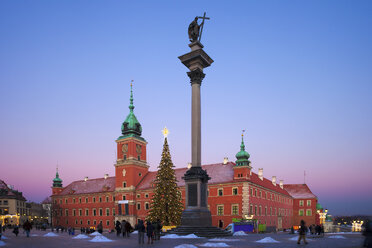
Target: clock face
[124, 148]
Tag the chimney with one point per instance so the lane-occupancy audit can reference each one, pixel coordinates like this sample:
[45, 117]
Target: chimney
[106, 176]
[85, 179]
[260, 173]
[281, 183]
[225, 160]
[273, 180]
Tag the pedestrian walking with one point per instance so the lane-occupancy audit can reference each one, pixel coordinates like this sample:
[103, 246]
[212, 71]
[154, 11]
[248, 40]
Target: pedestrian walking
[149, 232]
[16, 230]
[100, 228]
[118, 228]
[128, 228]
[123, 228]
[302, 232]
[140, 227]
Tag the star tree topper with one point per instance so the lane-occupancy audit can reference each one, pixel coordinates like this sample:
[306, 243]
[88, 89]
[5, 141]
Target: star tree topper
[165, 132]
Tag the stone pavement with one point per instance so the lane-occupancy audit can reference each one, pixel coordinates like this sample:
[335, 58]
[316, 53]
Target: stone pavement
[64, 240]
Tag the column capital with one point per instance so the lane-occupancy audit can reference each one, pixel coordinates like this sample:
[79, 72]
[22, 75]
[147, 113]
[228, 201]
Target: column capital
[196, 76]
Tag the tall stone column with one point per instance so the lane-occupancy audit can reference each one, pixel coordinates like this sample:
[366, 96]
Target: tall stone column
[196, 179]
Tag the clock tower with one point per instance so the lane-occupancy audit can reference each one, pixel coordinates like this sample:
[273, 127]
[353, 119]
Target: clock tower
[131, 165]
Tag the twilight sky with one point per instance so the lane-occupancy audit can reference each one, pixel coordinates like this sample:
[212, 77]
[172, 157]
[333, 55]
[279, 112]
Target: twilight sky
[297, 75]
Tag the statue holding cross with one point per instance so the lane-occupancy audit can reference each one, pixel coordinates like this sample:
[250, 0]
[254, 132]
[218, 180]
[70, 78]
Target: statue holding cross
[196, 30]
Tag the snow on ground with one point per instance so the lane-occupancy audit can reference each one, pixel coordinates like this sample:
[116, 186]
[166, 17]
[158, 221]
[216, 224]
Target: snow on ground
[50, 234]
[135, 232]
[81, 236]
[2, 243]
[337, 237]
[3, 237]
[95, 233]
[34, 235]
[185, 246]
[100, 238]
[223, 240]
[240, 233]
[267, 240]
[295, 238]
[175, 236]
[345, 233]
[214, 245]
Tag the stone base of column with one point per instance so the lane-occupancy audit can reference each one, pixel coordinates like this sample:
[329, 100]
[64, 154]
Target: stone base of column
[196, 217]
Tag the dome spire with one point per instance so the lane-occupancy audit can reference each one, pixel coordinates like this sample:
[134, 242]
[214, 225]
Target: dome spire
[57, 182]
[242, 156]
[131, 126]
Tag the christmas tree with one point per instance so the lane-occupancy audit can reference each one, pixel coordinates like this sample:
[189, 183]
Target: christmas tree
[166, 202]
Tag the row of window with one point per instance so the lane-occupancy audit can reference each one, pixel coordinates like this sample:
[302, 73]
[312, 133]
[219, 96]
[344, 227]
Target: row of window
[86, 199]
[220, 191]
[87, 212]
[5, 202]
[234, 209]
[301, 203]
[269, 196]
[259, 211]
[302, 211]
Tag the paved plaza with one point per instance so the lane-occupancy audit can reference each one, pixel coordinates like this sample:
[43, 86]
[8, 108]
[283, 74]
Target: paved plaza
[284, 240]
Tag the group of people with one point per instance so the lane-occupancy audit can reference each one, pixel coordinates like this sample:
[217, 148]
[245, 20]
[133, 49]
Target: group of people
[27, 226]
[124, 227]
[152, 230]
[316, 229]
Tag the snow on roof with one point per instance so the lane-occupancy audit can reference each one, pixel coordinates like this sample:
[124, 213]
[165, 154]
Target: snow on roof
[299, 191]
[267, 184]
[97, 185]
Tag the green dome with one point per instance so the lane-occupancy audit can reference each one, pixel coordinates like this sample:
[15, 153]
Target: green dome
[131, 125]
[242, 156]
[57, 182]
[318, 206]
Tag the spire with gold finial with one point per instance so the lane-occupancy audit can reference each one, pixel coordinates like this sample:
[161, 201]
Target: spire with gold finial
[131, 126]
[242, 156]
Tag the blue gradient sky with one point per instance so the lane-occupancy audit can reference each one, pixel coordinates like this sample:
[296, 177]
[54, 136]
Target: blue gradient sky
[295, 74]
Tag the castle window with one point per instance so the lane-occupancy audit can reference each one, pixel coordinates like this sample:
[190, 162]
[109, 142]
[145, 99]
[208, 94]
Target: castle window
[80, 212]
[301, 203]
[94, 212]
[94, 199]
[66, 212]
[100, 199]
[220, 192]
[80, 200]
[73, 200]
[308, 203]
[219, 209]
[260, 211]
[251, 192]
[66, 200]
[100, 212]
[125, 156]
[66, 222]
[86, 199]
[73, 212]
[139, 158]
[251, 210]
[255, 192]
[255, 210]
[107, 222]
[138, 196]
[124, 184]
[124, 197]
[301, 212]
[265, 211]
[113, 211]
[94, 222]
[235, 209]
[138, 206]
[147, 195]
[140, 174]
[235, 191]
[88, 222]
[76, 221]
[107, 212]
[81, 222]
[308, 212]
[147, 206]
[107, 199]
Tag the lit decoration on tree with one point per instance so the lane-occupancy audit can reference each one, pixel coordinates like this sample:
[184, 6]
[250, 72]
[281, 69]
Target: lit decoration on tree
[166, 204]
